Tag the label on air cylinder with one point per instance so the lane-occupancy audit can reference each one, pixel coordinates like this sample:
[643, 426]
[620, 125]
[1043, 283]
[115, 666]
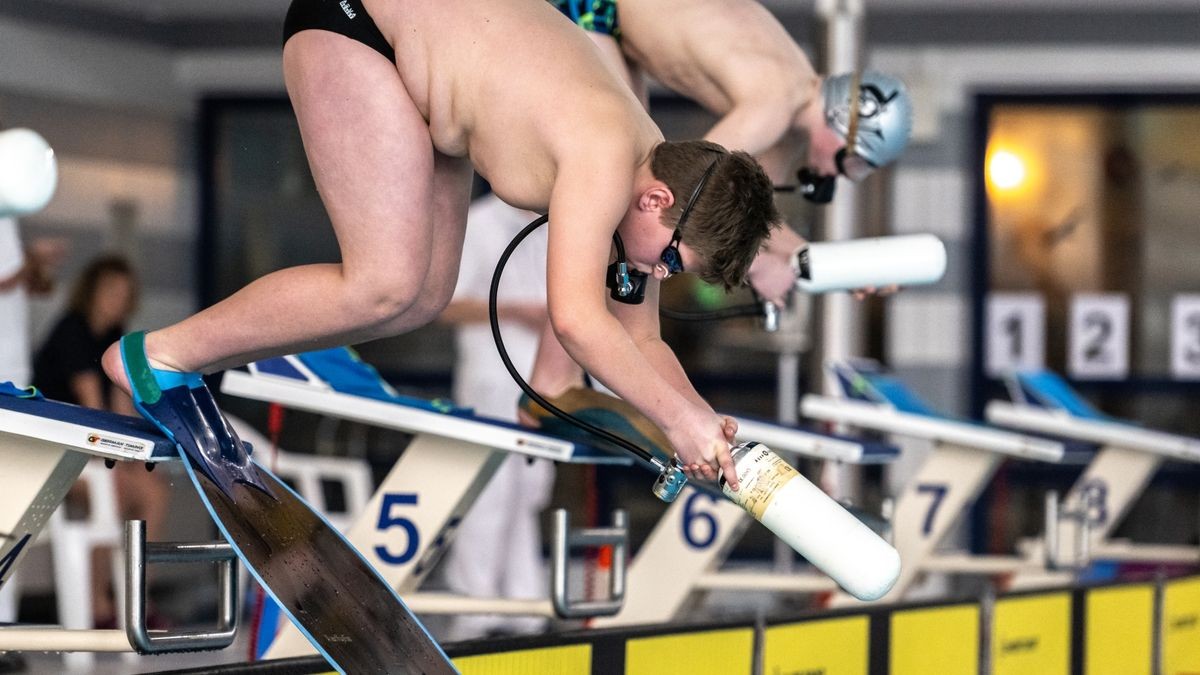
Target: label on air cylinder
[761, 475]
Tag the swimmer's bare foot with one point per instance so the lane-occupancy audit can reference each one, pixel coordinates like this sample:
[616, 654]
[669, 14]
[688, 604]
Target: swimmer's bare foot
[114, 367]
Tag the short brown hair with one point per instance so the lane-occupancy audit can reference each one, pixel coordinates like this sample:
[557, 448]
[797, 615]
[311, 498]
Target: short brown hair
[734, 213]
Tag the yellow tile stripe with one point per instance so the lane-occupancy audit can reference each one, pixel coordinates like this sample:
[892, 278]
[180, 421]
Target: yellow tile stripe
[1032, 634]
[831, 647]
[565, 660]
[1120, 630]
[943, 640]
[717, 652]
[1181, 627]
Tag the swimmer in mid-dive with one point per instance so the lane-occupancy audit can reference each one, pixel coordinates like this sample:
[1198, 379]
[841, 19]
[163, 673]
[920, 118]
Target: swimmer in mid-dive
[735, 59]
[395, 110]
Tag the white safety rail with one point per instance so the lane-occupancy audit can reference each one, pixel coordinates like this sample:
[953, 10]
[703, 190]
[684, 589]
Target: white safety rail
[411, 519]
[289, 393]
[886, 419]
[1112, 482]
[1099, 431]
[963, 460]
[784, 439]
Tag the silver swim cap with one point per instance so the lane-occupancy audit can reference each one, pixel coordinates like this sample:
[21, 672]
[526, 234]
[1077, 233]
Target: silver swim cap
[884, 114]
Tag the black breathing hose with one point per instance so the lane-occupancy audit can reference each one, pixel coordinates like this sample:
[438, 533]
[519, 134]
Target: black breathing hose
[494, 317]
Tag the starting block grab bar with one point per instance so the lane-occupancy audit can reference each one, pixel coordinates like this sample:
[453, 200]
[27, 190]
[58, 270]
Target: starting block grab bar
[137, 636]
[139, 555]
[566, 540]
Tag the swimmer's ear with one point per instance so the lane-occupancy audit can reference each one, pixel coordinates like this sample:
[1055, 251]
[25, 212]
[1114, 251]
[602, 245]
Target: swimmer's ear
[656, 197]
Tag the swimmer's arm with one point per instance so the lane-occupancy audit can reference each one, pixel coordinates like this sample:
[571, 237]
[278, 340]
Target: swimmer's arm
[763, 112]
[581, 227]
[767, 119]
[642, 323]
[753, 126]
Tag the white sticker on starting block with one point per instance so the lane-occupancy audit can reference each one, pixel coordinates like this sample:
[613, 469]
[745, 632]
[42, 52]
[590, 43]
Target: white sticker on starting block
[1099, 336]
[1185, 337]
[1016, 333]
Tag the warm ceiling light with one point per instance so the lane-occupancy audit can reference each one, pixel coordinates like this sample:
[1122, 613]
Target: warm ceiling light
[1006, 171]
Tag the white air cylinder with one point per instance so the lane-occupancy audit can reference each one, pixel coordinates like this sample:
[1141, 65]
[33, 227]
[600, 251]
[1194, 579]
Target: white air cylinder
[812, 523]
[877, 262]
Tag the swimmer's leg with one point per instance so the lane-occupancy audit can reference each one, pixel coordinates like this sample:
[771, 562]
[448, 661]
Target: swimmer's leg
[374, 165]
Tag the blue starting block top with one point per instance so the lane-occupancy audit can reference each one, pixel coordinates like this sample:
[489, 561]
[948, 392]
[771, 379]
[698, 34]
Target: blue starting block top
[864, 384]
[1046, 389]
[337, 382]
[26, 413]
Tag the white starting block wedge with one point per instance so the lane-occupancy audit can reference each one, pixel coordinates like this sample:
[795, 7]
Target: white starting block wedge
[44, 446]
[964, 458]
[412, 517]
[1117, 475]
[684, 552]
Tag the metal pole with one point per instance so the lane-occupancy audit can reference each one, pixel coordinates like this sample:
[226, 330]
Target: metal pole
[839, 329]
[987, 615]
[788, 412]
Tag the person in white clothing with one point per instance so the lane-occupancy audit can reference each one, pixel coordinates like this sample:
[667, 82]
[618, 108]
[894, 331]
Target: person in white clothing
[14, 351]
[497, 551]
[14, 306]
[20, 274]
[28, 177]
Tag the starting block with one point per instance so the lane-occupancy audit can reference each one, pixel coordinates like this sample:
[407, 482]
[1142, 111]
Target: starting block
[1129, 455]
[411, 519]
[44, 446]
[965, 456]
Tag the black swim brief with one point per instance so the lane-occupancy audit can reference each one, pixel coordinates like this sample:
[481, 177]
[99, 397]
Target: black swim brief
[344, 17]
[597, 16]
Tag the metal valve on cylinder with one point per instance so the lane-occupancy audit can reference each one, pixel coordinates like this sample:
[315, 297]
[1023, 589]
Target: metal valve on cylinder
[670, 481]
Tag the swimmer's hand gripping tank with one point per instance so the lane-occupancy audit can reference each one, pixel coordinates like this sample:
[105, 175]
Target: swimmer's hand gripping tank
[812, 523]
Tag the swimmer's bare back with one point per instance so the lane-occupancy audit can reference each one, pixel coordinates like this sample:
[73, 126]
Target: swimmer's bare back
[509, 84]
[714, 52]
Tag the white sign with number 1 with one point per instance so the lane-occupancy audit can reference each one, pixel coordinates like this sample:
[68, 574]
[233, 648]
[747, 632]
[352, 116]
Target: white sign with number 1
[1016, 333]
[1185, 337]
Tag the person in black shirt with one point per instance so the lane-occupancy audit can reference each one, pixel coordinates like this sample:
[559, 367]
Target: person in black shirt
[67, 368]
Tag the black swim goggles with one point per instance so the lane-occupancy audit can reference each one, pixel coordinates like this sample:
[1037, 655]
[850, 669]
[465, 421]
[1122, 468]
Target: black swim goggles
[670, 255]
